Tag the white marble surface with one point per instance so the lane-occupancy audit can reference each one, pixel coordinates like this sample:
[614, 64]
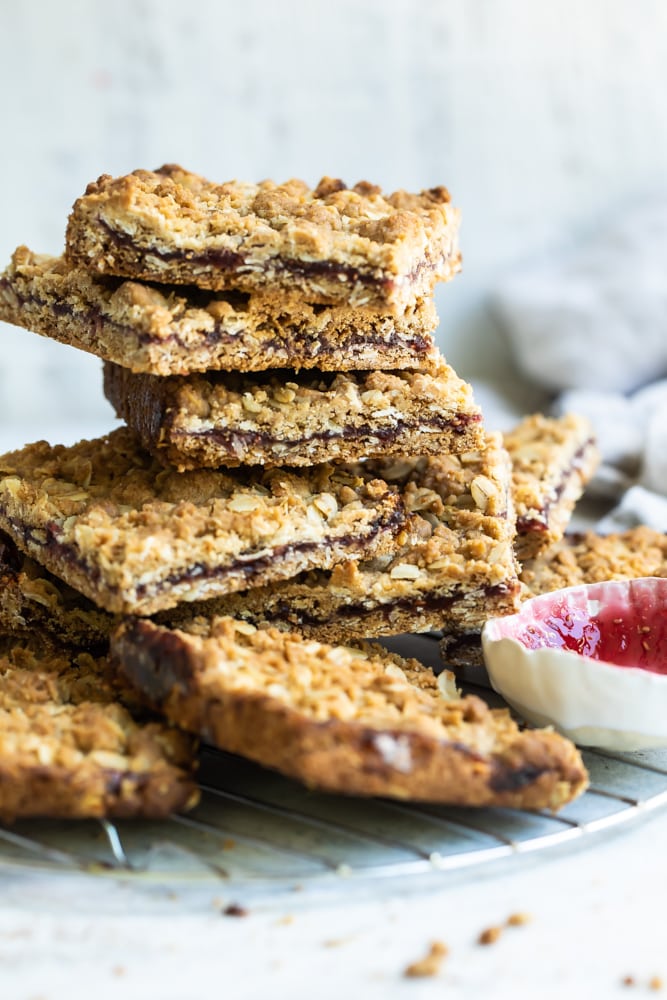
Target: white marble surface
[596, 916]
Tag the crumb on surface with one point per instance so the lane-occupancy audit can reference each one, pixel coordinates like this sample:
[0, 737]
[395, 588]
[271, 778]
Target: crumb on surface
[518, 919]
[654, 983]
[234, 910]
[490, 935]
[430, 964]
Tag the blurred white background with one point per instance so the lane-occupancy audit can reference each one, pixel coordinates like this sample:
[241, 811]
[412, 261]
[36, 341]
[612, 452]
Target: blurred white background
[543, 120]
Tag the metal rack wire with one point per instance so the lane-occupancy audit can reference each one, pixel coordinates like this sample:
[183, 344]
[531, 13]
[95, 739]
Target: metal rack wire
[260, 832]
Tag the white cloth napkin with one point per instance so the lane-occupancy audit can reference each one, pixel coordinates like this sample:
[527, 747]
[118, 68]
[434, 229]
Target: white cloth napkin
[637, 506]
[592, 325]
[632, 436]
[596, 317]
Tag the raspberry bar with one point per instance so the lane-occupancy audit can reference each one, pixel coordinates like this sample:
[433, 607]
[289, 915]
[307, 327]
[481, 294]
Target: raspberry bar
[358, 721]
[552, 461]
[284, 418]
[165, 330]
[456, 570]
[330, 244]
[68, 749]
[135, 537]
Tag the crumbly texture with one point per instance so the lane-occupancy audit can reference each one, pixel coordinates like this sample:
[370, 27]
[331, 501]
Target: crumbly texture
[578, 558]
[357, 721]
[283, 418]
[69, 750]
[591, 558]
[165, 330]
[330, 244]
[552, 461]
[133, 536]
[33, 600]
[101, 681]
[456, 569]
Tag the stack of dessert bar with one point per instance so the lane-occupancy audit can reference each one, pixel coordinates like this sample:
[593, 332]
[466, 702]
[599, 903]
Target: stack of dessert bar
[295, 451]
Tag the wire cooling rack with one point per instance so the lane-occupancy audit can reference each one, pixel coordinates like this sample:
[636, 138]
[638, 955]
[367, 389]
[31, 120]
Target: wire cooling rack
[262, 833]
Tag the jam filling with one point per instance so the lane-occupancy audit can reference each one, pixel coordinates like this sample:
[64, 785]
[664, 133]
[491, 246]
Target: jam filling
[426, 603]
[228, 439]
[234, 263]
[246, 569]
[626, 633]
[299, 343]
[251, 567]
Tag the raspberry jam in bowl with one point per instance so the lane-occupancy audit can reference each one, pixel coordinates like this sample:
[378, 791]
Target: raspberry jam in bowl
[590, 660]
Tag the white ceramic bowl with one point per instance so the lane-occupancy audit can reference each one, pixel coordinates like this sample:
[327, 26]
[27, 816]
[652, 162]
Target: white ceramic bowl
[589, 660]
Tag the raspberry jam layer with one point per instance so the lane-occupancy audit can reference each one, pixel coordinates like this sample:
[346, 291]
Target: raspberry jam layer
[623, 623]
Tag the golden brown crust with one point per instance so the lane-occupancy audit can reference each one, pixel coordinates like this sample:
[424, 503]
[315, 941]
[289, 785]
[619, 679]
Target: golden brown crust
[285, 418]
[553, 458]
[362, 722]
[135, 537]
[69, 750]
[178, 330]
[331, 243]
